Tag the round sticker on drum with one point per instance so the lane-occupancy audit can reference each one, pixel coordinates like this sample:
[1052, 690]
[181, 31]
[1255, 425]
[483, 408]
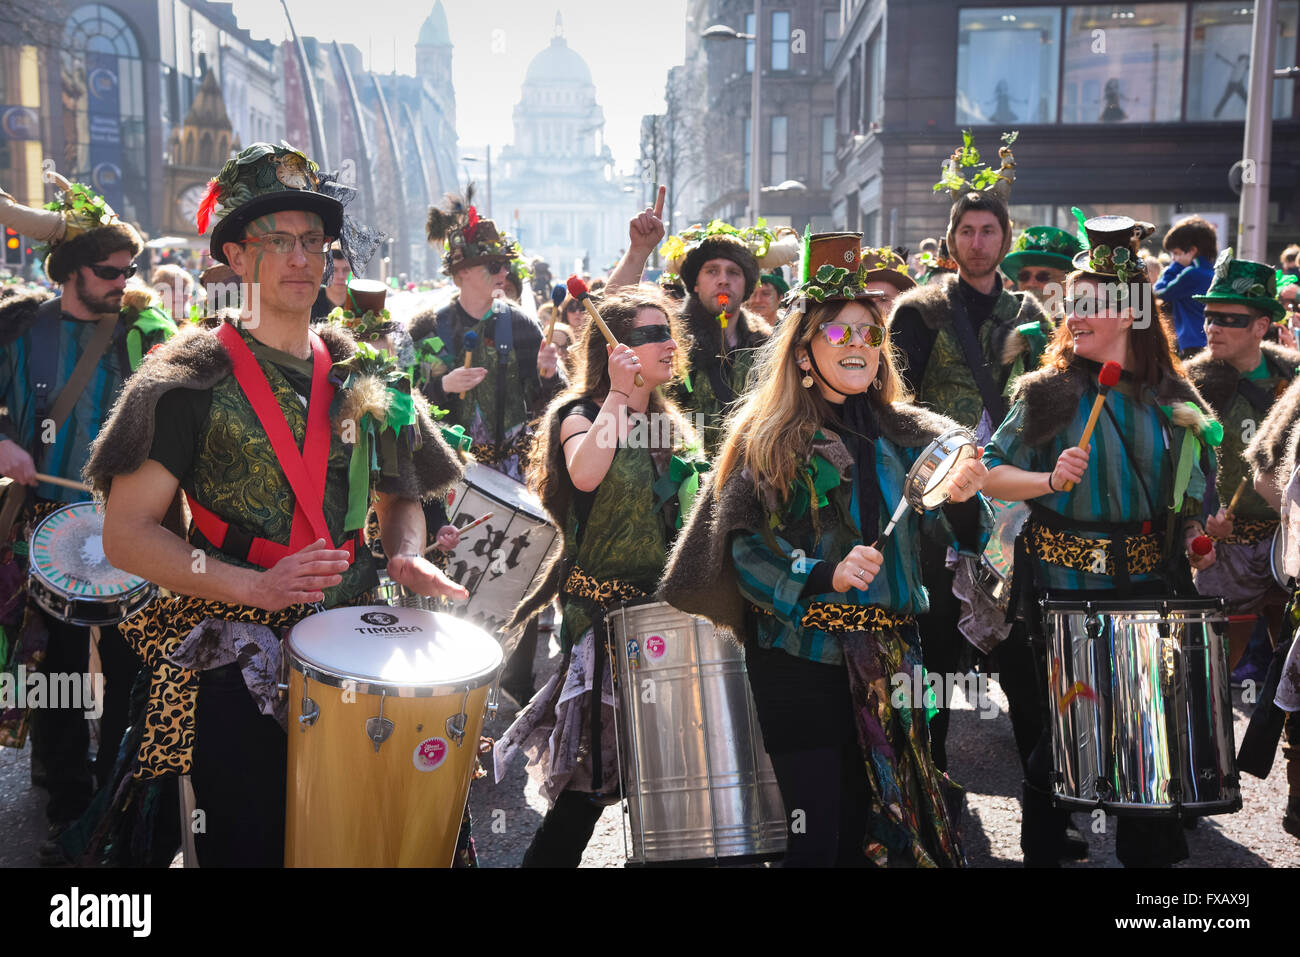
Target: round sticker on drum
[655, 646]
[429, 754]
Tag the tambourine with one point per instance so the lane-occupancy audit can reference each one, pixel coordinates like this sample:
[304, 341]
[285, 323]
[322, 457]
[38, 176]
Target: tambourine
[926, 486]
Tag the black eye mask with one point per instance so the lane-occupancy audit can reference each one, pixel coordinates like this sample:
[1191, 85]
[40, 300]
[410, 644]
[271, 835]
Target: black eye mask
[644, 335]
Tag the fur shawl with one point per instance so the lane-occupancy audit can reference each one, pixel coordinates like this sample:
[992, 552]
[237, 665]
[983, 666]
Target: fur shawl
[1217, 380]
[700, 577]
[1273, 451]
[196, 359]
[18, 314]
[1052, 397]
[933, 302]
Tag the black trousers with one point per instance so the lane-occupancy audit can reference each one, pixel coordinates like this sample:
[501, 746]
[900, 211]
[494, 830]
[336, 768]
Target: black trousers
[805, 711]
[61, 736]
[564, 832]
[239, 770]
[941, 641]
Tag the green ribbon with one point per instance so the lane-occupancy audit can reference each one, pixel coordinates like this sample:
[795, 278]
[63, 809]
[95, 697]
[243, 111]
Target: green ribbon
[683, 480]
[1193, 443]
[359, 478]
[812, 482]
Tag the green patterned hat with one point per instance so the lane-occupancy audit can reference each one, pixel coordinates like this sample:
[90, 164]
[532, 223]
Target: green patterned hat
[1245, 283]
[267, 179]
[1042, 246]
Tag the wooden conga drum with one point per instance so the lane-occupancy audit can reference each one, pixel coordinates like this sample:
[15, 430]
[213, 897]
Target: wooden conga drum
[385, 709]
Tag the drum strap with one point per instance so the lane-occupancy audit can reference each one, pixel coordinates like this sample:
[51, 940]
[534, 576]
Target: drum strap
[304, 471]
[964, 333]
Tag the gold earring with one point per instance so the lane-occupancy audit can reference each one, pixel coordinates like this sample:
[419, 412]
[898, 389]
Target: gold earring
[807, 380]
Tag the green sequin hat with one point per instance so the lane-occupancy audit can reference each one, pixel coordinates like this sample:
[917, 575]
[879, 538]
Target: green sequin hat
[1245, 283]
[1114, 244]
[885, 265]
[1042, 246]
[267, 179]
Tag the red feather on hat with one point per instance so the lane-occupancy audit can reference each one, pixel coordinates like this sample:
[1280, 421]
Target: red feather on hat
[207, 206]
[471, 224]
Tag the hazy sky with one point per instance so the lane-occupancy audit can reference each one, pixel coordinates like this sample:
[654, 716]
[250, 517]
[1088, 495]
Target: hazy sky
[628, 46]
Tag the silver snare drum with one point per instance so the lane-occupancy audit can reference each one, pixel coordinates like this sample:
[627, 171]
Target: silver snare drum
[697, 778]
[70, 577]
[1141, 707]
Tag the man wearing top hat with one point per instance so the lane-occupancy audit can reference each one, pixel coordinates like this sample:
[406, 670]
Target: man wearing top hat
[257, 424]
[964, 340]
[51, 408]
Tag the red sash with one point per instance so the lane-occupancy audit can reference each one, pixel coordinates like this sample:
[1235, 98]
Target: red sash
[304, 471]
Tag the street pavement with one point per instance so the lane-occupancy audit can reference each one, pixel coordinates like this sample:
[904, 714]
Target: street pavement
[981, 752]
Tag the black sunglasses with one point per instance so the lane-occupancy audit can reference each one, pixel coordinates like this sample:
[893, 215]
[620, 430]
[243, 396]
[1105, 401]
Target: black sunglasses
[1229, 320]
[644, 335]
[113, 272]
[495, 266]
[1026, 275]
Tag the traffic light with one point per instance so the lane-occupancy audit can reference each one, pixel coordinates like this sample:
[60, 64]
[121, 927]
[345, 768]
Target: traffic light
[13, 247]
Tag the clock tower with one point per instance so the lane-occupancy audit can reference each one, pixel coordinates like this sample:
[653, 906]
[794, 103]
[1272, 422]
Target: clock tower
[196, 152]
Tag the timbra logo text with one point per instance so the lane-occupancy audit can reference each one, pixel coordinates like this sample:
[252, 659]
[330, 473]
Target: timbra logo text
[102, 910]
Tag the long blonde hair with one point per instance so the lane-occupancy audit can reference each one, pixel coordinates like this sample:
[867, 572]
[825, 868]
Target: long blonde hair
[770, 431]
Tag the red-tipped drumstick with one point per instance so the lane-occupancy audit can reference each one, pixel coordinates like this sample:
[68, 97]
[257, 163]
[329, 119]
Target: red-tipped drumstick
[578, 290]
[1236, 496]
[1201, 545]
[1107, 380]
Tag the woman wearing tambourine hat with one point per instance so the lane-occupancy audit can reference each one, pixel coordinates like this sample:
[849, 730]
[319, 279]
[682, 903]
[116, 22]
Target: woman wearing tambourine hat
[1125, 528]
[779, 554]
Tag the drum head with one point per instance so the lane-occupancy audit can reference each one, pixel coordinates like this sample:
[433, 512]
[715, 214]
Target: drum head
[67, 552]
[503, 488]
[406, 652]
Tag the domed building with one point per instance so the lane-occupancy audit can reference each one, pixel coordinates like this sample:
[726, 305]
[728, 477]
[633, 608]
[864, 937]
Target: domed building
[557, 190]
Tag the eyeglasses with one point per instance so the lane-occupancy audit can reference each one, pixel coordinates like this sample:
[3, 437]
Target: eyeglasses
[282, 244]
[644, 335]
[1027, 275]
[494, 267]
[113, 272]
[840, 334]
[1229, 320]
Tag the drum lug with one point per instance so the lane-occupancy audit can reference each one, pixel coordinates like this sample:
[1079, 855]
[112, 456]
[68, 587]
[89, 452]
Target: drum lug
[310, 712]
[456, 723]
[379, 729]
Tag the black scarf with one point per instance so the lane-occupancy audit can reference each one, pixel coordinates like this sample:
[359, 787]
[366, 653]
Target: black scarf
[860, 431]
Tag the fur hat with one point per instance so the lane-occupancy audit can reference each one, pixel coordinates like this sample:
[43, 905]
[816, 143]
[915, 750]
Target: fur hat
[752, 249]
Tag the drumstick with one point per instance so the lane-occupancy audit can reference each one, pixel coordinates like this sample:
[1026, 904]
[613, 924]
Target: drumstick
[474, 524]
[558, 295]
[471, 340]
[578, 290]
[66, 483]
[1108, 379]
[1236, 496]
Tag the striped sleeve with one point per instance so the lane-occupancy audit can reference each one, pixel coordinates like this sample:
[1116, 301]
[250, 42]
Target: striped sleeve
[771, 581]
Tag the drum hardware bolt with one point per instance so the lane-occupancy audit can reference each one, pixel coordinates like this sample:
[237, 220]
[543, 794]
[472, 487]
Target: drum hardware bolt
[456, 723]
[419, 727]
[379, 728]
[310, 712]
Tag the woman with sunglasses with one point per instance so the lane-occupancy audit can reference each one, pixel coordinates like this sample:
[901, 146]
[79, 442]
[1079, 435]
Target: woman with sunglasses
[1124, 530]
[599, 466]
[786, 554]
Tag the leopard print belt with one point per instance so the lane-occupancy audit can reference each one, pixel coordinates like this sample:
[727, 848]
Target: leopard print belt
[1250, 533]
[1092, 554]
[842, 619]
[603, 593]
[485, 453]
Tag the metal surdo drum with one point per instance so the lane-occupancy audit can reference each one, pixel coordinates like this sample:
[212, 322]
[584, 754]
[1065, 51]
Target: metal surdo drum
[70, 577]
[496, 561]
[385, 709]
[697, 779]
[1141, 707]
